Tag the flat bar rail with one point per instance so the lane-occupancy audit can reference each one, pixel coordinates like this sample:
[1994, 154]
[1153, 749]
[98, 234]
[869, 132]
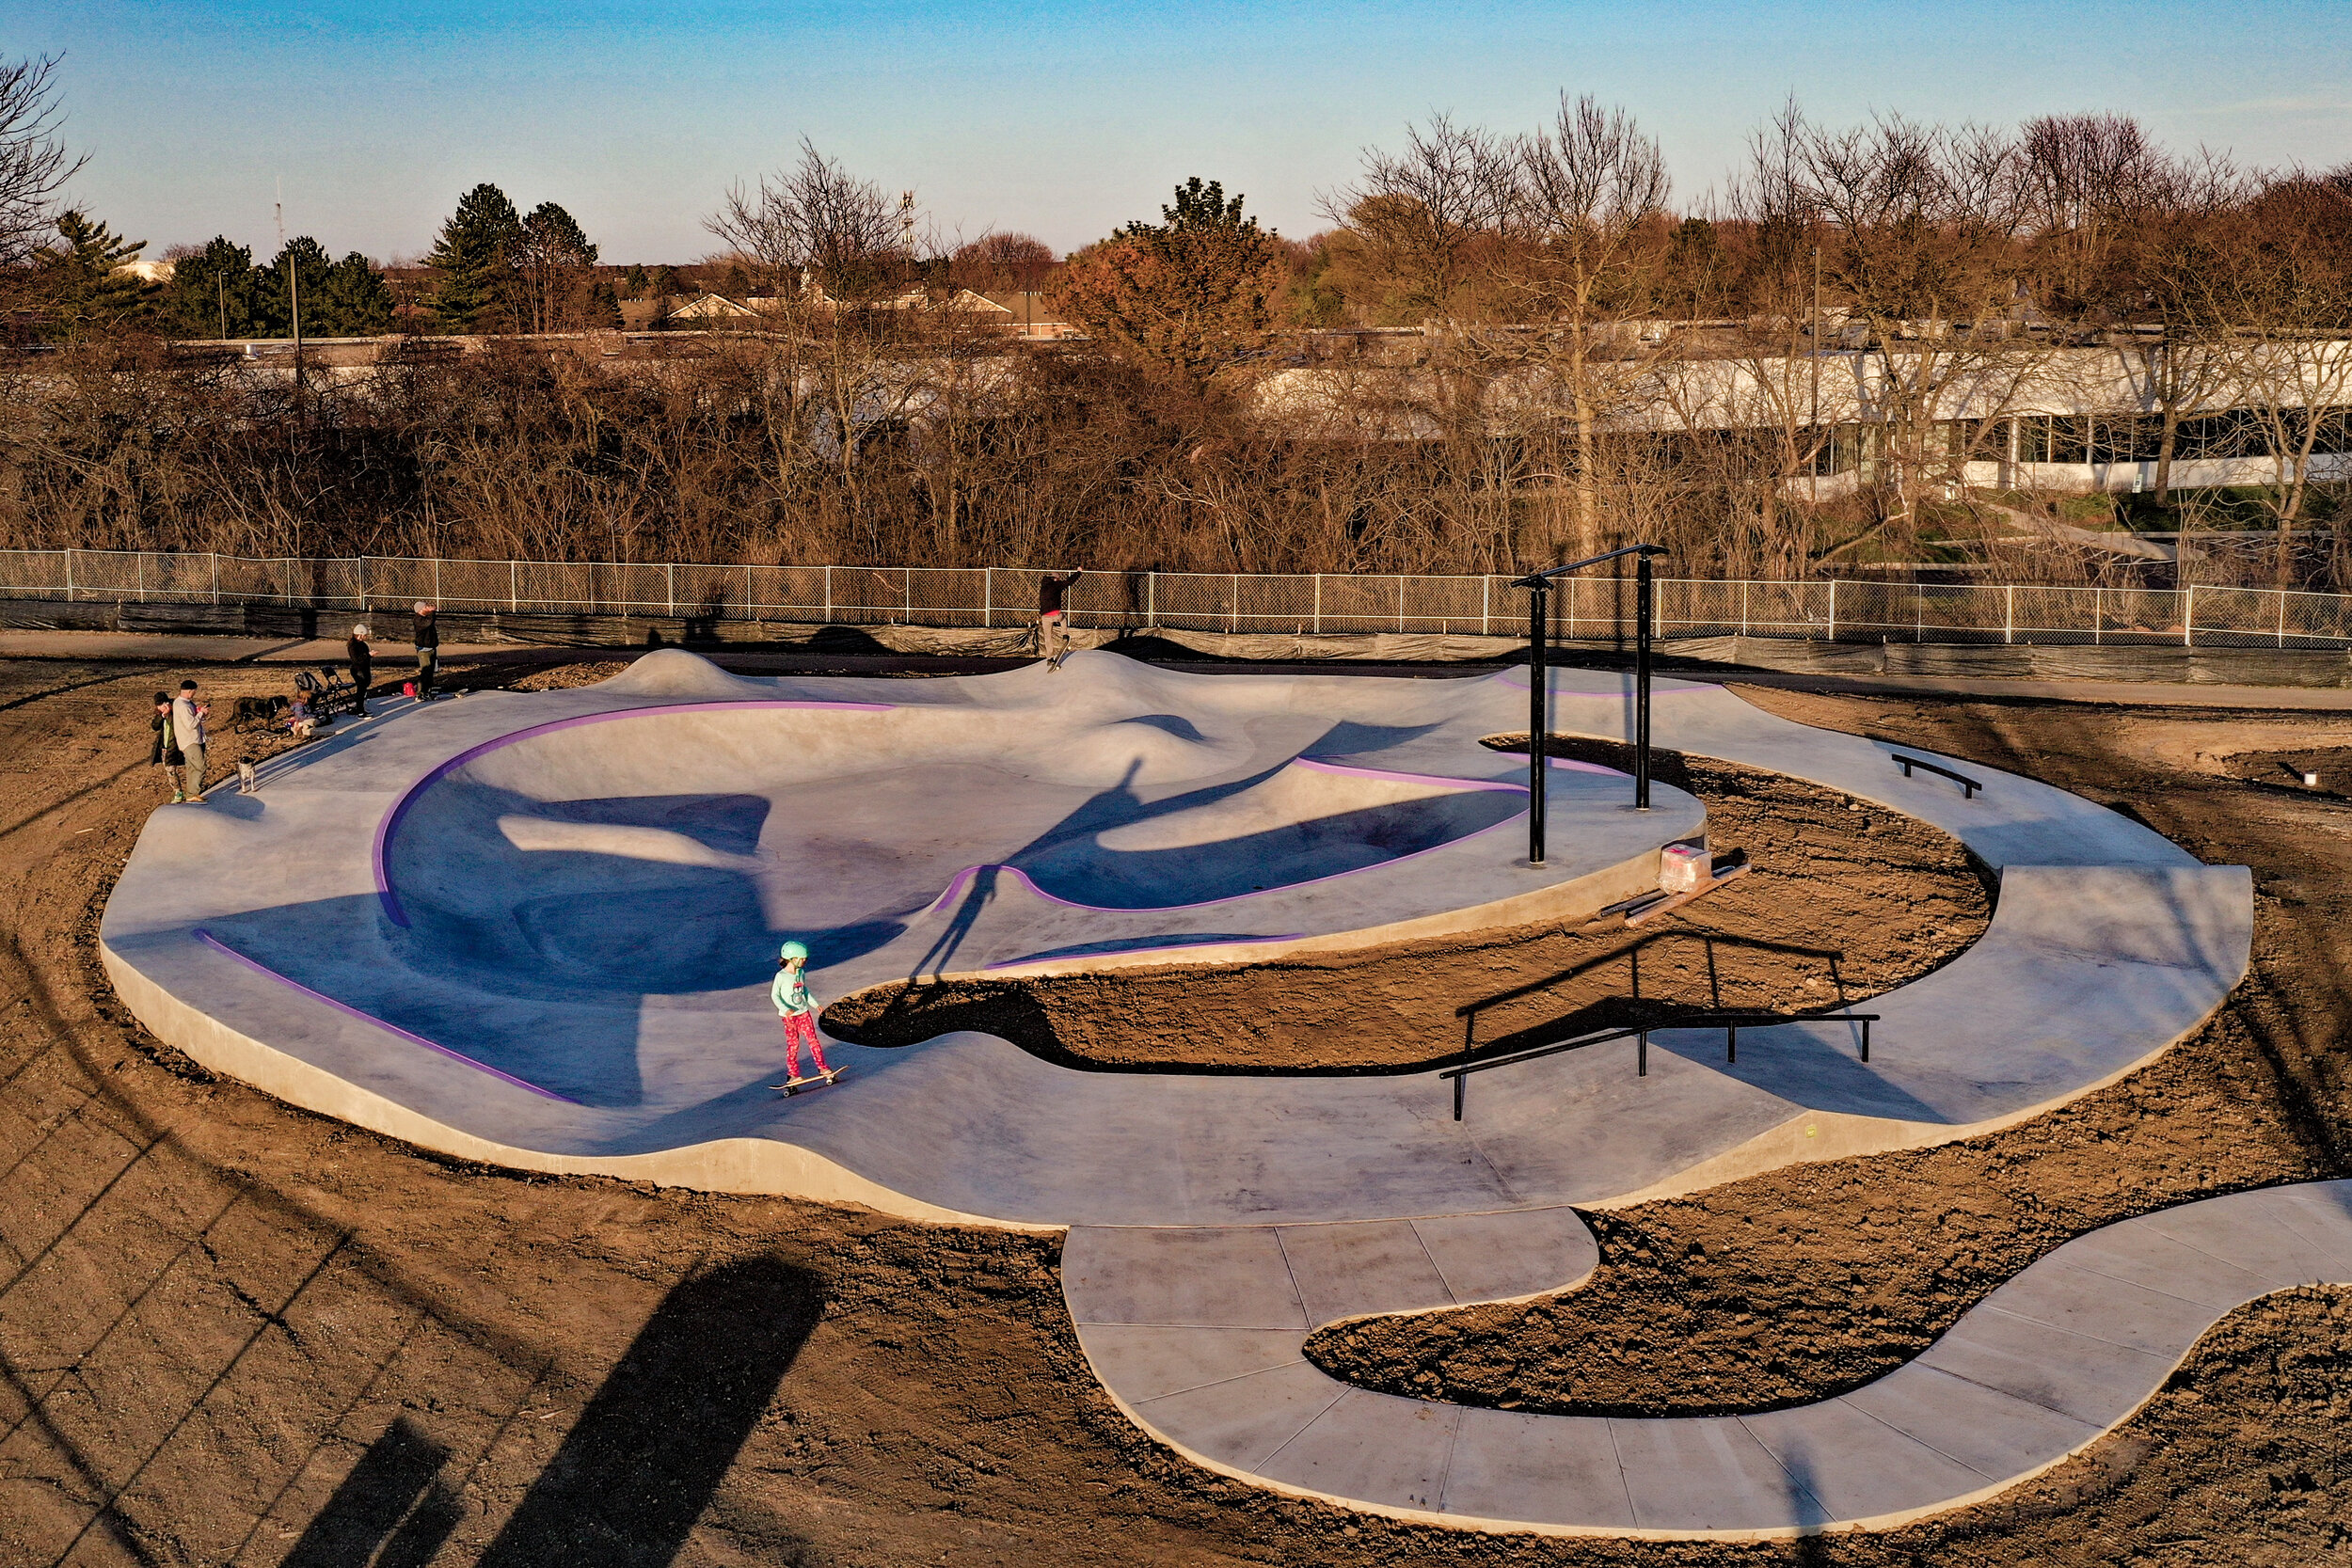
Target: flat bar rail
[1968, 786]
[1731, 1023]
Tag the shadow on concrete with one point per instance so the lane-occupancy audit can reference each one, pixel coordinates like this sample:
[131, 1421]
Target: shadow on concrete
[393, 1510]
[650, 1451]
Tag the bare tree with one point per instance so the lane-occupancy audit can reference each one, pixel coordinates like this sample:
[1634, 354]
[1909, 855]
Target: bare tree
[2289, 298]
[1921, 248]
[1588, 186]
[2081, 180]
[815, 222]
[1416, 216]
[997, 262]
[33, 163]
[2182, 243]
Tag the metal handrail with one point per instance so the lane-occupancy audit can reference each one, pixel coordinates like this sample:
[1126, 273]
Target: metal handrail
[1968, 786]
[1461, 1075]
[1731, 1023]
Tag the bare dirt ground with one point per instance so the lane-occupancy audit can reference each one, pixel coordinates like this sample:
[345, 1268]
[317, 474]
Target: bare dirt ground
[230, 1333]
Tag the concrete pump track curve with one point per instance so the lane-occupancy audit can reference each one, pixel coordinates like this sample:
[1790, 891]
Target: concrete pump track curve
[497, 928]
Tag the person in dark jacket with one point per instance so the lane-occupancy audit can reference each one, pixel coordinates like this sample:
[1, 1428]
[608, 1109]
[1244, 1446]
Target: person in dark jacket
[165, 752]
[427, 637]
[362, 666]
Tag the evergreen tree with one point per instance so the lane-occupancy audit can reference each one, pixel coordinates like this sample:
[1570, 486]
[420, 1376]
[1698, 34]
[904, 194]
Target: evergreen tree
[635, 282]
[353, 300]
[1186, 293]
[604, 306]
[80, 283]
[211, 293]
[553, 257]
[475, 256]
[664, 284]
[306, 263]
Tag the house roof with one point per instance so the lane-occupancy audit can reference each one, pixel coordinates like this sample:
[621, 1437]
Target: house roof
[712, 308]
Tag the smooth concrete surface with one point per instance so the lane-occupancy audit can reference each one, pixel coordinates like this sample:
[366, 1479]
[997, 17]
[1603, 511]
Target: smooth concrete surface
[539, 931]
[542, 927]
[2037, 1372]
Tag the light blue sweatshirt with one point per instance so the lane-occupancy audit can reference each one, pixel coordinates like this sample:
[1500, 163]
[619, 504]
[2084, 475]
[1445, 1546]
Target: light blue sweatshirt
[791, 992]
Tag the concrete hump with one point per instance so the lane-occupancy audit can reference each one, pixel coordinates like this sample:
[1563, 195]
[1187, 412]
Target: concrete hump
[675, 673]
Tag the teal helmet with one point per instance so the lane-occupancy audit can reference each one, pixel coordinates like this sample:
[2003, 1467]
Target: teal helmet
[794, 950]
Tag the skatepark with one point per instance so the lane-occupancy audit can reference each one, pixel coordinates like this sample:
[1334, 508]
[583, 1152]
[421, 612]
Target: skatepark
[534, 931]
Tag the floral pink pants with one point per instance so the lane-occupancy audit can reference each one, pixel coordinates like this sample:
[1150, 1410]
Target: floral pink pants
[801, 1028]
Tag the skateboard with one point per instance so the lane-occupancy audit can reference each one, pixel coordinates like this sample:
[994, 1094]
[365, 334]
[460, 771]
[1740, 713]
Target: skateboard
[794, 1086]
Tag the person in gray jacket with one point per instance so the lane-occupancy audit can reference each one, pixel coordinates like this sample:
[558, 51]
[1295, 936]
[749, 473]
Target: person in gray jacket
[187, 730]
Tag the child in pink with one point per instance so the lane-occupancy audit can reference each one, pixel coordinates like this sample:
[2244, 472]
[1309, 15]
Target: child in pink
[799, 1009]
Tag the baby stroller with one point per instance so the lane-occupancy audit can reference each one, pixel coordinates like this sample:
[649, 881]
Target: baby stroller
[330, 693]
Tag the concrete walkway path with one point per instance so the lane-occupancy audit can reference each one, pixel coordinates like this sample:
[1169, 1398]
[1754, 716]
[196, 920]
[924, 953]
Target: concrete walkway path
[1198, 1335]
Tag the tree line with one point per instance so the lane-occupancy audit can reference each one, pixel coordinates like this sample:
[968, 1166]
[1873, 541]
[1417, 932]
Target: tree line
[1502, 349]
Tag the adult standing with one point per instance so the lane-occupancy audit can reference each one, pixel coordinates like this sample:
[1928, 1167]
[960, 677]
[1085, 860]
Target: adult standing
[187, 729]
[1053, 626]
[362, 666]
[428, 641]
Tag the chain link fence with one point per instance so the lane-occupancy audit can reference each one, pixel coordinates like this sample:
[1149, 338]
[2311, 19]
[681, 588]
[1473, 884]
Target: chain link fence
[1590, 608]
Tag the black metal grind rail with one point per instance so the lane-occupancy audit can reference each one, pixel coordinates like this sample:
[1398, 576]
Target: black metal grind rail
[1968, 786]
[1729, 1023]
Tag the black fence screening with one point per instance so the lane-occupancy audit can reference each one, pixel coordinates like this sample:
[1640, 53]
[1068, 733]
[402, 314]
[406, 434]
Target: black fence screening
[1584, 608]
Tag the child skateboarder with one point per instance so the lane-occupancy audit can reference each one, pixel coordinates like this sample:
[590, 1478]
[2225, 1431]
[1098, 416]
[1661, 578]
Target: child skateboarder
[799, 1009]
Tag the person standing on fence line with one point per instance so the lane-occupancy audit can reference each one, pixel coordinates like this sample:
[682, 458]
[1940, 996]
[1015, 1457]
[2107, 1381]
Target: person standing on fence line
[428, 640]
[187, 731]
[165, 753]
[362, 666]
[1053, 626]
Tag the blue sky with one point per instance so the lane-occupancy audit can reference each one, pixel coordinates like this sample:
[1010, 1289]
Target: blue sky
[1060, 118]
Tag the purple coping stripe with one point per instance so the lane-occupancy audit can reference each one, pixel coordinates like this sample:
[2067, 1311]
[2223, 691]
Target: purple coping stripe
[349, 1011]
[393, 818]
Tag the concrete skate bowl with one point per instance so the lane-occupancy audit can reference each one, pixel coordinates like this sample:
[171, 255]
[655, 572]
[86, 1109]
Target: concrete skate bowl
[543, 925]
[566, 855]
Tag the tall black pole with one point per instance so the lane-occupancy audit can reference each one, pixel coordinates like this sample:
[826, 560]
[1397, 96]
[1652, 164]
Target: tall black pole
[1641, 682]
[1538, 715]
